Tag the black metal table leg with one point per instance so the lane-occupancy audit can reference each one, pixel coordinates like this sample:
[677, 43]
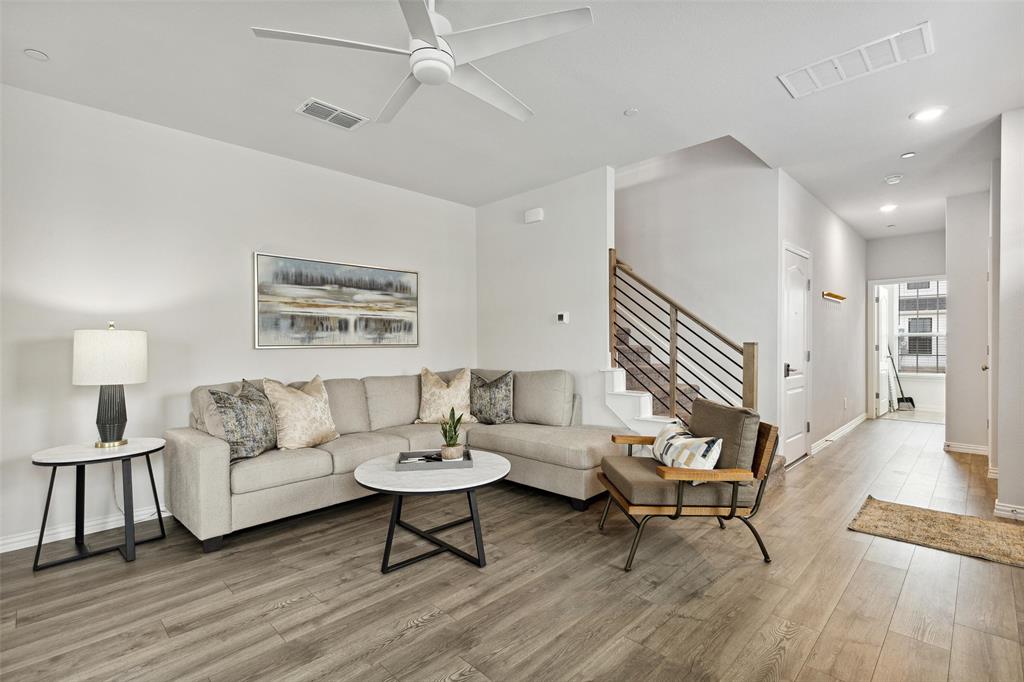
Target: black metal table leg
[156, 498]
[42, 528]
[478, 536]
[429, 535]
[79, 505]
[128, 552]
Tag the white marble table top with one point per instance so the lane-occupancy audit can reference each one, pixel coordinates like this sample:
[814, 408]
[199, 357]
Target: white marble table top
[379, 474]
[90, 454]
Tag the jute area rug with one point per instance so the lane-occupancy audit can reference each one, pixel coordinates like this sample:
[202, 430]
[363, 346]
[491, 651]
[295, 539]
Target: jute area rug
[967, 535]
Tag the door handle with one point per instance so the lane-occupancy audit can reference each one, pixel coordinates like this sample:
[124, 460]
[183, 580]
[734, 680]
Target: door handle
[984, 368]
[786, 370]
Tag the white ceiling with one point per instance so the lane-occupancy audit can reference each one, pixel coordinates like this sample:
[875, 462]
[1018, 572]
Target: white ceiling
[696, 71]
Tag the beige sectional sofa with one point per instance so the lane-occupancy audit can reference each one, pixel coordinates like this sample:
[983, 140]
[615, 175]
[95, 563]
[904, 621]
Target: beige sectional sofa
[547, 446]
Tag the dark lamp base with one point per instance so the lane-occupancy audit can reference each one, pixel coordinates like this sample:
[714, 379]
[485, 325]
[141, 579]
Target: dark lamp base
[111, 416]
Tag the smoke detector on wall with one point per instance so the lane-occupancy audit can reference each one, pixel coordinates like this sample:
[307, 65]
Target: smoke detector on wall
[863, 60]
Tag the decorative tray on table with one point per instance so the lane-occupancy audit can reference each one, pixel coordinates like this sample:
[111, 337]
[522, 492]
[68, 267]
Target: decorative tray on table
[421, 460]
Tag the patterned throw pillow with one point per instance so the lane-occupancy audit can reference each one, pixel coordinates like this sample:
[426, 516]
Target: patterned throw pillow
[247, 421]
[675, 446]
[438, 397]
[303, 415]
[491, 401]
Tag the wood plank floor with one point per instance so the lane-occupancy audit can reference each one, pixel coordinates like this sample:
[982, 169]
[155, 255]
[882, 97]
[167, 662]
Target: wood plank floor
[304, 598]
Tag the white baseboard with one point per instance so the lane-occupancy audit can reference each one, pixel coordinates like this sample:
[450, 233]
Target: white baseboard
[1008, 511]
[838, 433]
[67, 530]
[993, 472]
[966, 448]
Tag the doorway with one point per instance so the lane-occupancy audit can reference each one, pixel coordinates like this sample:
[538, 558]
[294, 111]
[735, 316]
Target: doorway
[796, 385]
[908, 366]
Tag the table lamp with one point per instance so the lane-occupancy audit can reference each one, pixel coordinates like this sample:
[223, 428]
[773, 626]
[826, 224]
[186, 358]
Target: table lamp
[110, 358]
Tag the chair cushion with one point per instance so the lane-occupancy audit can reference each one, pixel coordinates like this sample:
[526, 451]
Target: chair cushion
[638, 480]
[279, 467]
[543, 397]
[352, 449]
[575, 447]
[347, 398]
[392, 401]
[736, 426]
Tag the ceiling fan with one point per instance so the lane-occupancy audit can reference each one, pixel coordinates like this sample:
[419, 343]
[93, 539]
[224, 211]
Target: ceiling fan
[438, 55]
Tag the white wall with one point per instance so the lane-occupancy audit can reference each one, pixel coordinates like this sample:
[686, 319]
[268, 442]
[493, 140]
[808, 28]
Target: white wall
[526, 274]
[912, 255]
[838, 334]
[702, 224]
[929, 393]
[1011, 313]
[967, 218]
[111, 218]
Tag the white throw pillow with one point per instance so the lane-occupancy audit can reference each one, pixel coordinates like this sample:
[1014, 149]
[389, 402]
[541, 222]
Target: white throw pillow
[303, 415]
[674, 446]
[439, 397]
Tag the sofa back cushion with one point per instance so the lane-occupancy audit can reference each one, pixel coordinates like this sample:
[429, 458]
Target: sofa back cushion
[392, 401]
[205, 415]
[348, 405]
[736, 426]
[543, 397]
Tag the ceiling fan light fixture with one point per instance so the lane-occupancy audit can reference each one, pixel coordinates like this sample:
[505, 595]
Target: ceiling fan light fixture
[35, 54]
[893, 179]
[908, 155]
[888, 208]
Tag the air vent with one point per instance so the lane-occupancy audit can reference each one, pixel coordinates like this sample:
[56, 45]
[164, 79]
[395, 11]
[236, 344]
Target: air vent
[328, 113]
[878, 55]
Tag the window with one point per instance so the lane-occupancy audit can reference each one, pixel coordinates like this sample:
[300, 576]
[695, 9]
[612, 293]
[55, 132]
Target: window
[922, 327]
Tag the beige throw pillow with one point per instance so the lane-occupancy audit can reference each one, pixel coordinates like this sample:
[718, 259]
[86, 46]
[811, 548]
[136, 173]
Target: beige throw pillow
[303, 415]
[438, 397]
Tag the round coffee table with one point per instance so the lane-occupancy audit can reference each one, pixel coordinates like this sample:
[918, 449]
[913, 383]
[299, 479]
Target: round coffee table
[379, 475]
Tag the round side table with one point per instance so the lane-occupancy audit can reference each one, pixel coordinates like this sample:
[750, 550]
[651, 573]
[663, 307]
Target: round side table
[79, 456]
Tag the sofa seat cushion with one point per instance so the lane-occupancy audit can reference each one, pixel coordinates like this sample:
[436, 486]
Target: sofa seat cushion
[279, 467]
[638, 480]
[352, 449]
[574, 447]
[423, 436]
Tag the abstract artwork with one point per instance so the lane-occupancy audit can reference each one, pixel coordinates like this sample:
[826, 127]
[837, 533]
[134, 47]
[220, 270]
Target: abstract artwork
[302, 302]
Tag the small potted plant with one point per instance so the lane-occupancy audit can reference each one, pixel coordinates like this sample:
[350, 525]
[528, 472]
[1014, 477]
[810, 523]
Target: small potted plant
[450, 433]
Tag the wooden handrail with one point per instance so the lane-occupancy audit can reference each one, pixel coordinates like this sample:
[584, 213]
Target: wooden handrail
[679, 307]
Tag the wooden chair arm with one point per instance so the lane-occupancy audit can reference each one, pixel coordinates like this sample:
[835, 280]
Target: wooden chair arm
[725, 475]
[623, 439]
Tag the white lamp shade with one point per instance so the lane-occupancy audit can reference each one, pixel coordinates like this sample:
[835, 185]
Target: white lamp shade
[104, 357]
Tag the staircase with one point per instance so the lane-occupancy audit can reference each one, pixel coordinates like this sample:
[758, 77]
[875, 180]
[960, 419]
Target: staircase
[663, 356]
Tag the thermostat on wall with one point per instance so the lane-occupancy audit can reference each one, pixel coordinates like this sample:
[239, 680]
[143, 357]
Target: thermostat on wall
[562, 318]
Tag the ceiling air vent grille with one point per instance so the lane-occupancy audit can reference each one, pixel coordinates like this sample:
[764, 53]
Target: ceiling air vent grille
[878, 55]
[328, 113]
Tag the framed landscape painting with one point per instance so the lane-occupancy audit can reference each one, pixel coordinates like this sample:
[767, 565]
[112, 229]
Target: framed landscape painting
[313, 303]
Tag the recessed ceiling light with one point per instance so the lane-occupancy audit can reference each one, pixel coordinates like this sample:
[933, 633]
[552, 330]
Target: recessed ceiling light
[893, 179]
[632, 111]
[890, 226]
[888, 208]
[38, 55]
[908, 155]
[929, 114]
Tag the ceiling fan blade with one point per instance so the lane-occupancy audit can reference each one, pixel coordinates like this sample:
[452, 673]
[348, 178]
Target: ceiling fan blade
[417, 18]
[474, 81]
[324, 40]
[398, 99]
[483, 41]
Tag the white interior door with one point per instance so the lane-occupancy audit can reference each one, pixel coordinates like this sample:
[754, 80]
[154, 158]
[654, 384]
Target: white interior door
[882, 316]
[795, 424]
